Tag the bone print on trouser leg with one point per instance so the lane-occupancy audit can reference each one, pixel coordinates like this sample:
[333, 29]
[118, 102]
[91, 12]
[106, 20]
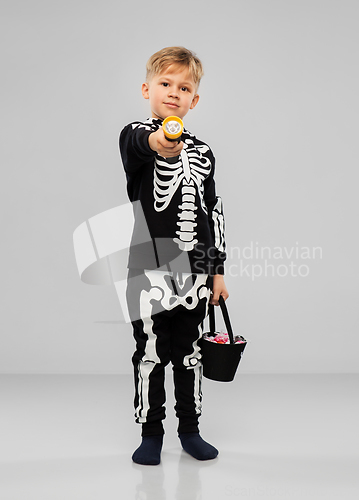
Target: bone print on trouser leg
[167, 311]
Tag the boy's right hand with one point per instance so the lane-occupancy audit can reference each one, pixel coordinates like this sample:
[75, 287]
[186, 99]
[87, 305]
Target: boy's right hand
[168, 149]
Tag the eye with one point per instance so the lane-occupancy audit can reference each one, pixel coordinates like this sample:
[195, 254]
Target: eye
[165, 84]
[184, 89]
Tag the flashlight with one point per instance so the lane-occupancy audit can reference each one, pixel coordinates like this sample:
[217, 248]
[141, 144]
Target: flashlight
[173, 128]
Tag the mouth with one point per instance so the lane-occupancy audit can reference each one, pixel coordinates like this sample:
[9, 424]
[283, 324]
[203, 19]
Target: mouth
[171, 104]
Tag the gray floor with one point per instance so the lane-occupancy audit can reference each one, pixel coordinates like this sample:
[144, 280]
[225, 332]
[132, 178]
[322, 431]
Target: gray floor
[284, 437]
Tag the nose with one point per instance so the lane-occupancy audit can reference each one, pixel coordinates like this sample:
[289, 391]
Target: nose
[172, 92]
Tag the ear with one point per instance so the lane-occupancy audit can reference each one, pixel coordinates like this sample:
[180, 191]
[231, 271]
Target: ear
[145, 90]
[194, 101]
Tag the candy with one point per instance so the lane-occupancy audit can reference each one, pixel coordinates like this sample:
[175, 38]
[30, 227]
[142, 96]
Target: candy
[222, 338]
[238, 339]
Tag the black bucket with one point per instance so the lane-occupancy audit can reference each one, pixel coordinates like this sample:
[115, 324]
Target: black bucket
[220, 361]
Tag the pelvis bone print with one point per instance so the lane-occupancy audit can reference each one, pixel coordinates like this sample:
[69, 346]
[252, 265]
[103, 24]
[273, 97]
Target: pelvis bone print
[188, 172]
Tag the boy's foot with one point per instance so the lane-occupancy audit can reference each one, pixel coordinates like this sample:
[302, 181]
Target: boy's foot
[193, 444]
[149, 452]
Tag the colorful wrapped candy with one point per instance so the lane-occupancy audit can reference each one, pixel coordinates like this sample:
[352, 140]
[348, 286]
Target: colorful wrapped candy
[222, 338]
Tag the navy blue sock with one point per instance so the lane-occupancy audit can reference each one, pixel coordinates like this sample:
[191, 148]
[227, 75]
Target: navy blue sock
[193, 444]
[149, 452]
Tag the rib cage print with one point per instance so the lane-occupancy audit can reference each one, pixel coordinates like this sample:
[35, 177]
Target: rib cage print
[188, 172]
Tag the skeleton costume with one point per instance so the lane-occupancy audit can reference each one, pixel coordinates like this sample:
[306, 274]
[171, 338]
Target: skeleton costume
[170, 277]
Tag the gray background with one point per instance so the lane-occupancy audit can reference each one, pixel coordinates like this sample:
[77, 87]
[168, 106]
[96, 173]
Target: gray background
[279, 107]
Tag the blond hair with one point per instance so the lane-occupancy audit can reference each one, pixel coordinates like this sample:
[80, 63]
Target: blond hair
[181, 56]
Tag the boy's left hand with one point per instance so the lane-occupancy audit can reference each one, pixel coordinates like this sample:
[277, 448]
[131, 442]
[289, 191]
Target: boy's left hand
[219, 288]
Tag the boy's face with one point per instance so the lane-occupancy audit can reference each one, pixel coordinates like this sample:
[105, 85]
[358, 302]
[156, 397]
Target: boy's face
[172, 92]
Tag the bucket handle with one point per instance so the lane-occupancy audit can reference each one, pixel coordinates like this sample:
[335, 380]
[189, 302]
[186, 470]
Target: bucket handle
[212, 327]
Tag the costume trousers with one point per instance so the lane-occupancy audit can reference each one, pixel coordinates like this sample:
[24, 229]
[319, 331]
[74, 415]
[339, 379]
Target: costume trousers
[167, 310]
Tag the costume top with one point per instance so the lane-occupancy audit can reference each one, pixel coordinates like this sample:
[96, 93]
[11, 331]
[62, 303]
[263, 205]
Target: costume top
[183, 214]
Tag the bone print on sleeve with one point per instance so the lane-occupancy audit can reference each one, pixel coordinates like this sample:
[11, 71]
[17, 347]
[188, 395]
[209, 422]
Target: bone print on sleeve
[216, 220]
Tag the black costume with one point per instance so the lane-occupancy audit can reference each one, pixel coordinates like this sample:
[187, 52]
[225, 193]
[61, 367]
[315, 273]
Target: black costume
[170, 276]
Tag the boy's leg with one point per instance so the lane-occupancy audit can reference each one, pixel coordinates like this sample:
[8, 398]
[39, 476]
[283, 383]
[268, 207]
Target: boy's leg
[149, 362]
[187, 372]
[185, 354]
[151, 333]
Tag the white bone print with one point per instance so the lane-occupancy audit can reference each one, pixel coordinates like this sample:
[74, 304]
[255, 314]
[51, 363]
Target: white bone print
[190, 170]
[186, 240]
[160, 292]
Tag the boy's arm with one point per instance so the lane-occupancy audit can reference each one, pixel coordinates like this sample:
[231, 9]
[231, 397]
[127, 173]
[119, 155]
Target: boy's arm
[134, 147]
[167, 149]
[217, 227]
[139, 144]
[219, 288]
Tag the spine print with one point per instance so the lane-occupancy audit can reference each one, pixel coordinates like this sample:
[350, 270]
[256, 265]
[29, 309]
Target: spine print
[186, 239]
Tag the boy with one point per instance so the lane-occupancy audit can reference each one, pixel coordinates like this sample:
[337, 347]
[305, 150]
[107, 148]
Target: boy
[170, 278]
